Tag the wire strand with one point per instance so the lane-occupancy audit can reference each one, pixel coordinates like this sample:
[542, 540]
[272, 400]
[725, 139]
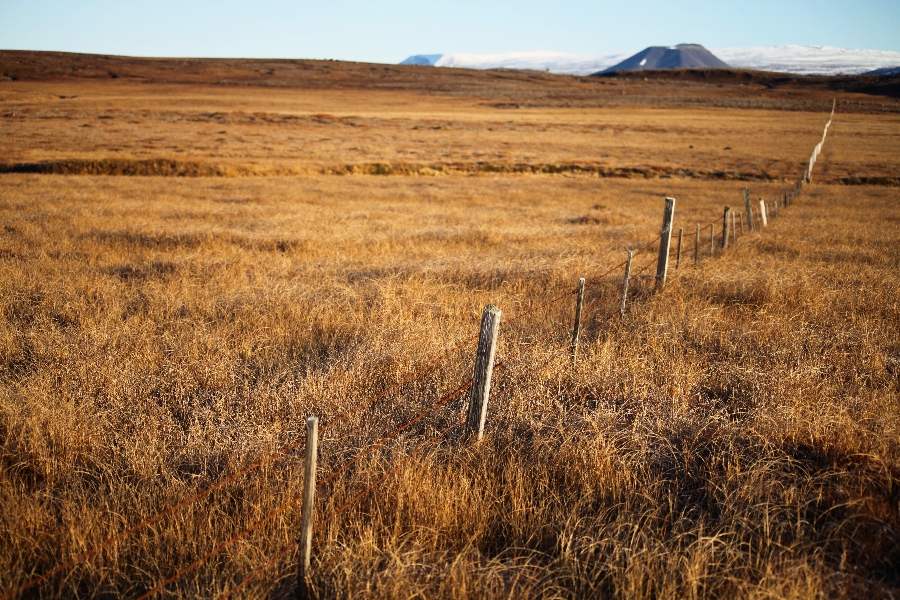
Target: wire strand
[395, 433]
[388, 474]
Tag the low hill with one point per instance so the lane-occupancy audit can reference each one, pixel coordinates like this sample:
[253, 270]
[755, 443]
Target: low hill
[873, 84]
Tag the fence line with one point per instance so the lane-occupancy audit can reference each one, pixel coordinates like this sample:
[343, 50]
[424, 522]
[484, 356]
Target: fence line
[818, 148]
[788, 200]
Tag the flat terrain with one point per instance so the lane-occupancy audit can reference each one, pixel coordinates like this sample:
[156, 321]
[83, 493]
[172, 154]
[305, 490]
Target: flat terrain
[736, 434]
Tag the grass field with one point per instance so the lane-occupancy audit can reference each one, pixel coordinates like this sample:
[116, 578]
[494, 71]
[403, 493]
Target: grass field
[735, 435]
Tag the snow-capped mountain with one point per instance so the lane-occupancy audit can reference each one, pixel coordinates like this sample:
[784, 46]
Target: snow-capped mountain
[809, 60]
[820, 60]
[555, 62]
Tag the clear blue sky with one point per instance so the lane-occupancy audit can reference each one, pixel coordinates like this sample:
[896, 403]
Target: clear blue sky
[391, 30]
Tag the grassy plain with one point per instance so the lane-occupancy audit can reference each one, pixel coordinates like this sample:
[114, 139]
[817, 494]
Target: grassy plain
[737, 434]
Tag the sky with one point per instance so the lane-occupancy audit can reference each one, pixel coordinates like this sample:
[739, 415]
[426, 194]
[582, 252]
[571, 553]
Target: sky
[390, 30]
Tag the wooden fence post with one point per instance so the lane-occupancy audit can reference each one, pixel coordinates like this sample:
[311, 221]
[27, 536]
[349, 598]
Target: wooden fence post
[712, 238]
[741, 221]
[484, 368]
[733, 228]
[665, 242]
[578, 303]
[625, 285]
[762, 213]
[306, 510]
[776, 208]
[725, 218]
[697, 246]
[678, 254]
[748, 209]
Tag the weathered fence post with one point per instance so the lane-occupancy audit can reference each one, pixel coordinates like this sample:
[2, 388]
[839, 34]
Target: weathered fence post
[712, 238]
[678, 254]
[665, 242]
[484, 368]
[741, 221]
[748, 209]
[697, 246]
[578, 303]
[625, 285]
[777, 208]
[762, 213]
[733, 228]
[725, 218]
[306, 509]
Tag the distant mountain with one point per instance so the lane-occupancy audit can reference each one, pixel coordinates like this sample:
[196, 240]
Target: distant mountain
[555, 62]
[682, 56]
[425, 60]
[808, 60]
[884, 71]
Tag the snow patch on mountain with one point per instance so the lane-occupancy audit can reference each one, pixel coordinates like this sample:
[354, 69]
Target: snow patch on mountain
[541, 60]
[811, 60]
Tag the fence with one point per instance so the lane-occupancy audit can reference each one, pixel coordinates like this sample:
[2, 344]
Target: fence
[478, 386]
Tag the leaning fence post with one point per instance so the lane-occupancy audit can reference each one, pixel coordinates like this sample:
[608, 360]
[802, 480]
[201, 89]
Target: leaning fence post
[306, 510]
[725, 227]
[748, 209]
[484, 368]
[678, 254]
[625, 284]
[697, 246]
[665, 242]
[578, 303]
[712, 237]
[762, 212]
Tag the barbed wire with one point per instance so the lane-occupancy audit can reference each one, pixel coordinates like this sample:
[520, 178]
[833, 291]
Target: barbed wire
[320, 483]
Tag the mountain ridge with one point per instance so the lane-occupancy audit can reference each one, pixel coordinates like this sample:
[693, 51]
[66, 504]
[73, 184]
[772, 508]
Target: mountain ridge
[795, 59]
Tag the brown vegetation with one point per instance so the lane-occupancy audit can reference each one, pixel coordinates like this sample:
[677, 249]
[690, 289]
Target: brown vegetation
[737, 434]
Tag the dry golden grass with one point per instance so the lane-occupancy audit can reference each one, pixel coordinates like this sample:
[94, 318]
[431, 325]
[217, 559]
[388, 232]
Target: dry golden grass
[248, 131]
[736, 435]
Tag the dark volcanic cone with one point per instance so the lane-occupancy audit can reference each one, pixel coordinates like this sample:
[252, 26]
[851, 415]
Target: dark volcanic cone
[682, 56]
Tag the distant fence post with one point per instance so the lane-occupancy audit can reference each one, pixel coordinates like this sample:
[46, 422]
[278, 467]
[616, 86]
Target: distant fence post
[741, 221]
[697, 246]
[762, 213]
[678, 254]
[748, 209]
[665, 241]
[777, 208]
[712, 237]
[484, 368]
[578, 303]
[725, 218]
[625, 284]
[733, 228]
[306, 510]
